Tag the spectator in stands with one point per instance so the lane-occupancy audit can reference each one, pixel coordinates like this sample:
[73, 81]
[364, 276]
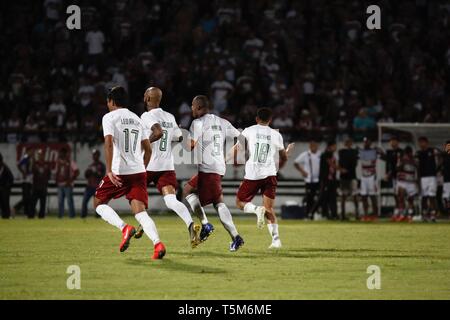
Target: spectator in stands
[57, 110]
[363, 123]
[93, 174]
[25, 166]
[328, 182]
[41, 175]
[6, 182]
[66, 173]
[348, 160]
[221, 91]
[308, 164]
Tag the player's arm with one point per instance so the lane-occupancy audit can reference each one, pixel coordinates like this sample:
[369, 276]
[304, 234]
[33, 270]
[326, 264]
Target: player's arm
[146, 146]
[195, 133]
[109, 149]
[283, 155]
[447, 147]
[156, 134]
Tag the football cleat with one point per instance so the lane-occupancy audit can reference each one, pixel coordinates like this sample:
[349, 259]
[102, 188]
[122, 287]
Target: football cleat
[276, 244]
[127, 233]
[207, 230]
[139, 232]
[237, 243]
[260, 214]
[194, 234]
[160, 251]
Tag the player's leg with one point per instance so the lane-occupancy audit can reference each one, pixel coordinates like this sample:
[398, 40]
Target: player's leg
[354, 193]
[345, 189]
[433, 201]
[104, 193]
[169, 195]
[190, 194]
[246, 192]
[61, 202]
[138, 197]
[400, 194]
[446, 196]
[171, 201]
[272, 223]
[108, 214]
[148, 225]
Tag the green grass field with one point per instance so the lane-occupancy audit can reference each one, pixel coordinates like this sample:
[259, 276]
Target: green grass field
[319, 260]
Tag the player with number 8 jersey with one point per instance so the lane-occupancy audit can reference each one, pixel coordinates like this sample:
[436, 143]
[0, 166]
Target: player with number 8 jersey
[160, 170]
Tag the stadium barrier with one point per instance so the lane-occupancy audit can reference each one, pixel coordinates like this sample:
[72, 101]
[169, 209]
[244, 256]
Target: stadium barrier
[289, 192]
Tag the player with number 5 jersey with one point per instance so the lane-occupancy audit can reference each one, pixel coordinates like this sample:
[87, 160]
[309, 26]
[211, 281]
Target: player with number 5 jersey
[161, 170]
[208, 136]
[266, 154]
[125, 137]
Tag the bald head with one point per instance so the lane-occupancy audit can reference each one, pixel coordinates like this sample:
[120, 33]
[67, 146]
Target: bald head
[152, 97]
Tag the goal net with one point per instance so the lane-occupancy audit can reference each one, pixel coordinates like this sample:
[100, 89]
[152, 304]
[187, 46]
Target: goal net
[437, 133]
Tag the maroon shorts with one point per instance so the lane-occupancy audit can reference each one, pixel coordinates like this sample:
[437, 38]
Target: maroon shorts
[193, 181]
[250, 188]
[134, 187]
[208, 186]
[162, 178]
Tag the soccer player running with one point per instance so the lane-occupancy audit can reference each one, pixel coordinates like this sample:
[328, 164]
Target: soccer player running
[405, 186]
[208, 135]
[161, 170]
[265, 146]
[427, 163]
[125, 137]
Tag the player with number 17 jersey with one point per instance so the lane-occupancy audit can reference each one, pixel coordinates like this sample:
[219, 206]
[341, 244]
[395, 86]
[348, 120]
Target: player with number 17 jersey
[127, 131]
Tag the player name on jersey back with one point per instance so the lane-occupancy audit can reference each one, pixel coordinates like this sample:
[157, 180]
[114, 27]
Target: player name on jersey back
[210, 133]
[264, 144]
[127, 131]
[162, 156]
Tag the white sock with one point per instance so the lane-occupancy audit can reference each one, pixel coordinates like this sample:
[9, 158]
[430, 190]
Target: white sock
[273, 230]
[109, 215]
[196, 207]
[148, 225]
[249, 208]
[226, 219]
[180, 209]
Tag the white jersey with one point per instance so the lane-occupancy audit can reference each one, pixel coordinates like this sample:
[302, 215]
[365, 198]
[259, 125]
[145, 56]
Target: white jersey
[162, 157]
[127, 131]
[210, 133]
[264, 144]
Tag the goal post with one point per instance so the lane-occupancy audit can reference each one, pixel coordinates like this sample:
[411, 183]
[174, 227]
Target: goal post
[437, 134]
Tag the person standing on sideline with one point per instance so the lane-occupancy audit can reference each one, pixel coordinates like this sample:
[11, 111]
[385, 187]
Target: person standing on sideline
[348, 160]
[66, 173]
[308, 163]
[94, 175]
[6, 182]
[368, 157]
[41, 176]
[25, 167]
[328, 182]
[392, 157]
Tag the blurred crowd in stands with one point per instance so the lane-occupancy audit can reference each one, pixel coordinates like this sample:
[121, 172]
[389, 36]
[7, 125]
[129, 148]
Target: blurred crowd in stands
[313, 62]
